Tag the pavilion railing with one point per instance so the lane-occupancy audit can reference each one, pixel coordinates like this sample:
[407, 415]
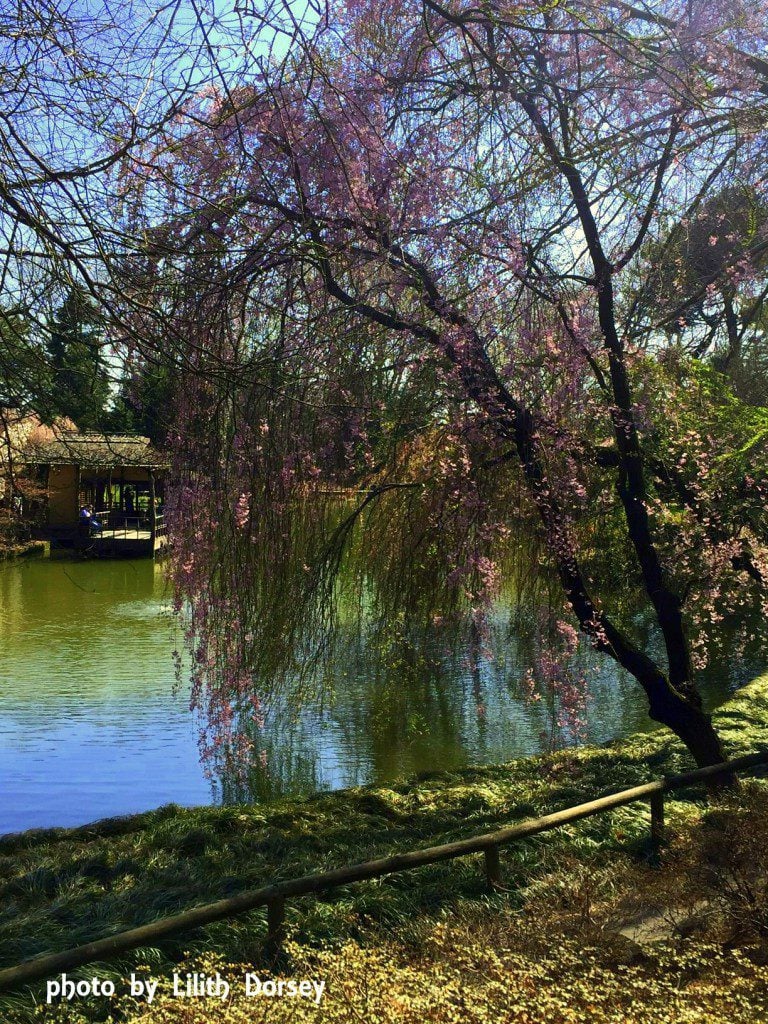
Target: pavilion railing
[128, 526]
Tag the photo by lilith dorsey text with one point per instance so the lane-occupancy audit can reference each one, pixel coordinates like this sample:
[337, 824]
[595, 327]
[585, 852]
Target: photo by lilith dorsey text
[190, 985]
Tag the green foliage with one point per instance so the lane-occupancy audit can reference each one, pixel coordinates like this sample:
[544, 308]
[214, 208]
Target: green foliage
[26, 379]
[701, 434]
[703, 282]
[144, 402]
[80, 379]
[706, 470]
[699, 250]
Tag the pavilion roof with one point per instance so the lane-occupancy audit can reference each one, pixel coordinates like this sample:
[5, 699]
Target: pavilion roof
[96, 450]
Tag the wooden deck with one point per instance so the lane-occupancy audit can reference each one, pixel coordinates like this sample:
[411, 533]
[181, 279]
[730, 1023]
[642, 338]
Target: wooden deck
[123, 534]
[127, 543]
[131, 539]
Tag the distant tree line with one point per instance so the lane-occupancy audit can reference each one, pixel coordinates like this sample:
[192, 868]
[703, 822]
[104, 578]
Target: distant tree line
[64, 369]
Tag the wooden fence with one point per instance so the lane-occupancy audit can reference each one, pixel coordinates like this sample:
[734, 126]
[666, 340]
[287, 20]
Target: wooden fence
[274, 896]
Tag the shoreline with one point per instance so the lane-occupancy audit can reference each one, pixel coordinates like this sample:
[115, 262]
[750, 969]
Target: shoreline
[656, 748]
[25, 549]
[61, 888]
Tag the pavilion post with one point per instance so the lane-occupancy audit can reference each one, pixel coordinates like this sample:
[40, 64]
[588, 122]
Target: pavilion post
[152, 519]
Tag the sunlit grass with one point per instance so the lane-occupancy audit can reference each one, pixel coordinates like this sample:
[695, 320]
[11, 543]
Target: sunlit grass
[60, 888]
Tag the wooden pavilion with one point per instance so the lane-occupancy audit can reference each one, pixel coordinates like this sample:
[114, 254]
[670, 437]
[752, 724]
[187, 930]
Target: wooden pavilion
[121, 476]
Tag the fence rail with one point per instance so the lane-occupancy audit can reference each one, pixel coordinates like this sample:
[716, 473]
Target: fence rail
[274, 896]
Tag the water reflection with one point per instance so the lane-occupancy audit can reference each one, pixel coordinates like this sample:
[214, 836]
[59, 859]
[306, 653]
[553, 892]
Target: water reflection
[90, 725]
[438, 709]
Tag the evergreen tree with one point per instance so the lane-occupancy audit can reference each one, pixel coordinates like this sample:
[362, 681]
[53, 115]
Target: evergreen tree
[25, 374]
[80, 376]
[144, 402]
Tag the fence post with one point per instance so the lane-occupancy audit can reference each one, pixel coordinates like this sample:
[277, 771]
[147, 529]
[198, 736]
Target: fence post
[657, 818]
[275, 927]
[493, 867]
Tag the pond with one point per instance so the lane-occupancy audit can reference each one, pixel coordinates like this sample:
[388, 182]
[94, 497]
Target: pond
[90, 725]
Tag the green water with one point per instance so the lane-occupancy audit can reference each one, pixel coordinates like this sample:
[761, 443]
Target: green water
[90, 725]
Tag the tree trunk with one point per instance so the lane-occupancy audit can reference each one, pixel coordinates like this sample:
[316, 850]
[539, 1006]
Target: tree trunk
[674, 702]
[689, 723]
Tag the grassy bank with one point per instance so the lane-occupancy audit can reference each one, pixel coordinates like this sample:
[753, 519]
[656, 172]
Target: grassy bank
[11, 550]
[61, 888]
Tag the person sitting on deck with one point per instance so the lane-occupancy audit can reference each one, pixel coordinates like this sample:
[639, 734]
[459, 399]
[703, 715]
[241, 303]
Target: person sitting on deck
[95, 524]
[88, 521]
